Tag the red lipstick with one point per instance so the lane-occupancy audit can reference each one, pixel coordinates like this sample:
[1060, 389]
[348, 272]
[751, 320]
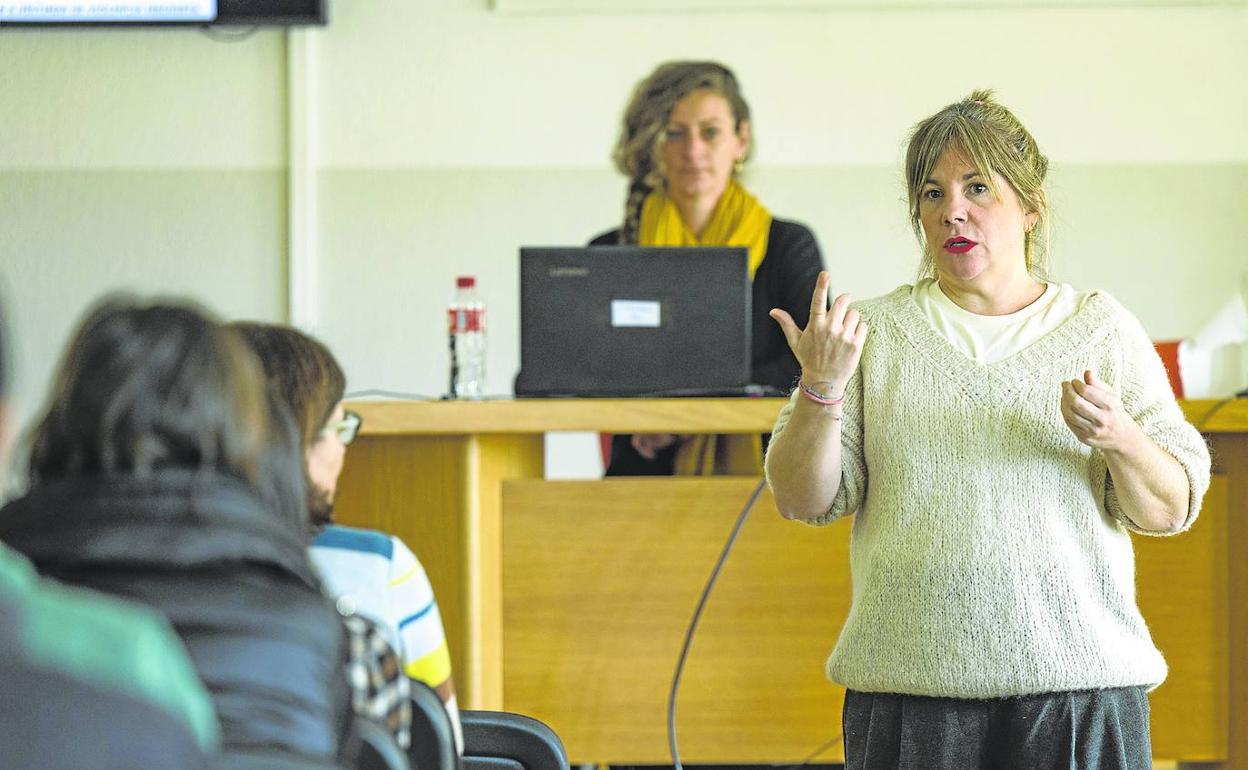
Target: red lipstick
[959, 245]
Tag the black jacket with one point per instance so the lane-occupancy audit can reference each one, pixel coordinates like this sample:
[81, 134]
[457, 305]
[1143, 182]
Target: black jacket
[232, 577]
[784, 279]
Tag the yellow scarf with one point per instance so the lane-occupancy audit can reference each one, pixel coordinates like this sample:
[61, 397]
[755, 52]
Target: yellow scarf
[738, 220]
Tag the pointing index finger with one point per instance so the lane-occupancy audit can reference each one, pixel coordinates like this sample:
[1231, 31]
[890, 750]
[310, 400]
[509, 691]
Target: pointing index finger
[819, 300]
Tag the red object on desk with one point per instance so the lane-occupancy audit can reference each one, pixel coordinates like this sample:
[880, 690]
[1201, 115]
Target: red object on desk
[604, 443]
[1169, 352]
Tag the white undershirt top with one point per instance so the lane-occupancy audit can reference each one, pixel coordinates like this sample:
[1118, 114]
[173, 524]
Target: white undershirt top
[990, 338]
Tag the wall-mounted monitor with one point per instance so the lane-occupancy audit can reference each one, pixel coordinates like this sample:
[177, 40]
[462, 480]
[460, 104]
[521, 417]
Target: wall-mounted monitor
[49, 13]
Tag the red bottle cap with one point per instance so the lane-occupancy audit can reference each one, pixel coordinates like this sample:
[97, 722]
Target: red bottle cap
[465, 282]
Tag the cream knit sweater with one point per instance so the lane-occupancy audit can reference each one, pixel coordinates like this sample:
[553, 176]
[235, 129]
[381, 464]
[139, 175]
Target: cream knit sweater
[990, 557]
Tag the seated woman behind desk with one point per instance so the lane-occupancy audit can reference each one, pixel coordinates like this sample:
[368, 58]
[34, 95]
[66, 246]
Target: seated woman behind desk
[685, 139]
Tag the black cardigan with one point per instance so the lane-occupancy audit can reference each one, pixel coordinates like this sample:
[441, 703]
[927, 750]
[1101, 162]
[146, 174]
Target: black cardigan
[784, 279]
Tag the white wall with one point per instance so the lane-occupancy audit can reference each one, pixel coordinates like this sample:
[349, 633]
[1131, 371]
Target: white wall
[451, 135]
[445, 135]
[453, 84]
[149, 161]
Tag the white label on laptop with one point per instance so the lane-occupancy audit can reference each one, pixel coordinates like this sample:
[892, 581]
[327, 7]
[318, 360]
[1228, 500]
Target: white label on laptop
[636, 313]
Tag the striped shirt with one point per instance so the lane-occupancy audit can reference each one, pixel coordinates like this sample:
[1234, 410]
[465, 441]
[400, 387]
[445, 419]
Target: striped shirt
[378, 576]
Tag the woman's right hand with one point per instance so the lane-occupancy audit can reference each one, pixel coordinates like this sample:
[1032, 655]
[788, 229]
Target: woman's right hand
[649, 444]
[829, 348]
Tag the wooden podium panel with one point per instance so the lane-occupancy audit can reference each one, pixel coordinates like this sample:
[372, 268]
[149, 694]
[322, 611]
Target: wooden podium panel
[441, 496]
[1182, 588]
[1230, 454]
[600, 580]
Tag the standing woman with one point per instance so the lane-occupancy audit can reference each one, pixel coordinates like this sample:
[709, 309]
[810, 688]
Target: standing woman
[999, 437]
[685, 140]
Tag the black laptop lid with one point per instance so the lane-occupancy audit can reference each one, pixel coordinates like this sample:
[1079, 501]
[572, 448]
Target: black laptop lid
[633, 320]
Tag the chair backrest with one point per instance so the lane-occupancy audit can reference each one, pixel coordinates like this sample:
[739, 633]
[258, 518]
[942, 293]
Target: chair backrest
[376, 747]
[491, 763]
[433, 737]
[264, 759]
[506, 741]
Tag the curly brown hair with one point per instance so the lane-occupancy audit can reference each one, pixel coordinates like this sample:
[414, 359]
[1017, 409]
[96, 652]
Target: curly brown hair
[636, 152]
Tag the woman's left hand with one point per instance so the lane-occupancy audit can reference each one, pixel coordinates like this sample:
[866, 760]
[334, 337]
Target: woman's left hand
[1093, 412]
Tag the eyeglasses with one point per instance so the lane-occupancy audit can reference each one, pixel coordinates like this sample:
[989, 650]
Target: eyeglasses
[347, 428]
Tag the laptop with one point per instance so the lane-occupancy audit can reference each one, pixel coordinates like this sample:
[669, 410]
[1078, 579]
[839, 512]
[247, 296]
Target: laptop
[634, 321]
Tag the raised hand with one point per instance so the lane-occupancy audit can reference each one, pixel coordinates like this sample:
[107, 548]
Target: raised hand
[830, 346]
[1093, 412]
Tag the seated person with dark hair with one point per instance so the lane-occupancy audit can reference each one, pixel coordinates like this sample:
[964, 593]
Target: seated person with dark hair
[373, 572]
[88, 682]
[160, 474]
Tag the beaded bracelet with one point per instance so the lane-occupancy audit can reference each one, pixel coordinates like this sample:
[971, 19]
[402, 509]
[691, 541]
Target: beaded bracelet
[818, 397]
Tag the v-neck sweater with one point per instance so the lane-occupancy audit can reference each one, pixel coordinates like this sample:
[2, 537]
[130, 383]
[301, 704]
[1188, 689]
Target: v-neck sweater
[990, 556]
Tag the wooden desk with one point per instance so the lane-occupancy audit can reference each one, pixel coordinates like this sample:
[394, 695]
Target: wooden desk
[577, 618]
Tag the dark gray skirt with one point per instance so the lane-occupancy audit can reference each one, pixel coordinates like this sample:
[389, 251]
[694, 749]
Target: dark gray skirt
[1082, 730]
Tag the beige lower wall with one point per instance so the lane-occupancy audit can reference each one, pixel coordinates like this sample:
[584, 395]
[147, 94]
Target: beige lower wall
[1166, 240]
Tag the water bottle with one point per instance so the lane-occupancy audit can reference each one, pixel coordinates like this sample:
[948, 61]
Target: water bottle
[466, 322]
